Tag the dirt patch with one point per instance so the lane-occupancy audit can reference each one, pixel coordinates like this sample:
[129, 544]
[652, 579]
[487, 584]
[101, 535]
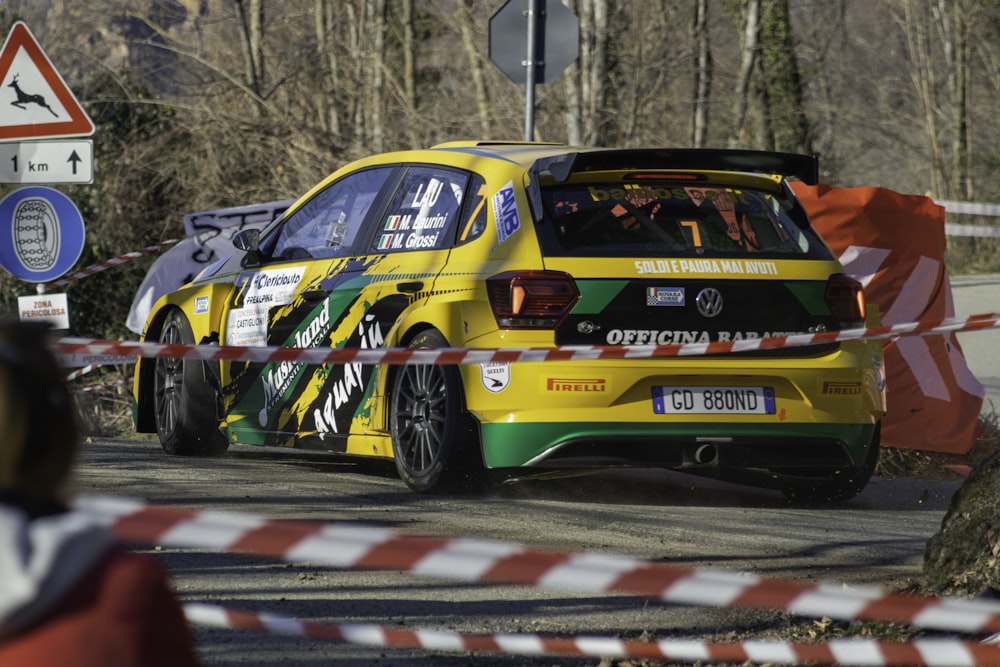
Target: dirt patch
[897, 463]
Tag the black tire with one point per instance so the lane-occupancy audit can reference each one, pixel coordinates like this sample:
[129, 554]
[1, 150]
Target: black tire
[434, 443]
[845, 485]
[185, 398]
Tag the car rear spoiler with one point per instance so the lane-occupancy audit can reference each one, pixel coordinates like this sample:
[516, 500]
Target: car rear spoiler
[803, 167]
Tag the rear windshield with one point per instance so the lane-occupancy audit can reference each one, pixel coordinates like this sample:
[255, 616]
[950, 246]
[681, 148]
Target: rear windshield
[646, 218]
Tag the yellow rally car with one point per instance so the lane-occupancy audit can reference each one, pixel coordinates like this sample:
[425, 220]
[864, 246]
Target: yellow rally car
[515, 245]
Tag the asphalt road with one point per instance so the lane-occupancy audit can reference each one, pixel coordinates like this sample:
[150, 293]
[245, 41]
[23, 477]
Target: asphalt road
[975, 295]
[877, 538]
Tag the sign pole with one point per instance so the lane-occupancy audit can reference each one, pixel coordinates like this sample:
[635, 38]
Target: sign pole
[534, 53]
[531, 64]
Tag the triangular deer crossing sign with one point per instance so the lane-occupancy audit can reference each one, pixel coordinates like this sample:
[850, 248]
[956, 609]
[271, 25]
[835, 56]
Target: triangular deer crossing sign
[35, 102]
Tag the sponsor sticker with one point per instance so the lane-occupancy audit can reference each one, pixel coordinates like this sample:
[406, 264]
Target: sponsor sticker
[664, 296]
[646, 192]
[278, 379]
[728, 267]
[495, 376]
[667, 337]
[247, 327]
[273, 287]
[200, 305]
[348, 383]
[505, 212]
[576, 385]
[842, 388]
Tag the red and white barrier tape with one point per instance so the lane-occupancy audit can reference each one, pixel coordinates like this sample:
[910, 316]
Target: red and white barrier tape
[101, 387]
[352, 546]
[107, 264]
[449, 356]
[835, 651]
[80, 372]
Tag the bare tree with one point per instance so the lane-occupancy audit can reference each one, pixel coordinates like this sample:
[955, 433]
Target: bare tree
[409, 48]
[591, 74]
[702, 73]
[954, 19]
[326, 18]
[823, 38]
[374, 107]
[750, 17]
[573, 87]
[471, 45]
[787, 127]
[251, 15]
[916, 22]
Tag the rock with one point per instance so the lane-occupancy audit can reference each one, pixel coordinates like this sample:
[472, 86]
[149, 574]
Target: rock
[962, 557]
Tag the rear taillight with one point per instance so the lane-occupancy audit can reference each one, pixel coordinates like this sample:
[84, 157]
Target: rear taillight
[531, 299]
[845, 298]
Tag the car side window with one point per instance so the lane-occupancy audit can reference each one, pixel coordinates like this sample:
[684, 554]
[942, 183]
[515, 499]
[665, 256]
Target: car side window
[327, 225]
[422, 213]
[474, 215]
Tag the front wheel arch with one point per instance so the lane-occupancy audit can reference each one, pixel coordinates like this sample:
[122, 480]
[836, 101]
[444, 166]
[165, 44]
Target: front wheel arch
[435, 441]
[145, 417]
[184, 397]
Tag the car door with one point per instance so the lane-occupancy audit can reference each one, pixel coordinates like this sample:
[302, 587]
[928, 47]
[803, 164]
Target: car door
[406, 250]
[299, 294]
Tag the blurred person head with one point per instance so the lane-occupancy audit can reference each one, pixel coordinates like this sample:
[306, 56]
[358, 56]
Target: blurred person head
[38, 428]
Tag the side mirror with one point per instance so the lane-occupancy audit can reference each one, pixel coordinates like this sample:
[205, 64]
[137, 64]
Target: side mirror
[247, 240]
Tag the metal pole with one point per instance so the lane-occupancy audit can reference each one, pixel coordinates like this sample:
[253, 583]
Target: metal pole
[530, 62]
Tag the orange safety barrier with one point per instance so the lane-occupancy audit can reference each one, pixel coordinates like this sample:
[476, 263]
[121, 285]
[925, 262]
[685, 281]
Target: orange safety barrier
[894, 244]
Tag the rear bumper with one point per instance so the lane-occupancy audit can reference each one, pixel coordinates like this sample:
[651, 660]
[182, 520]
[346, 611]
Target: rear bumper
[601, 412]
[695, 447]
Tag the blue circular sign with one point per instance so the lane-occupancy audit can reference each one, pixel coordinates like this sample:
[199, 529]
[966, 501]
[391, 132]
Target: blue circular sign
[41, 234]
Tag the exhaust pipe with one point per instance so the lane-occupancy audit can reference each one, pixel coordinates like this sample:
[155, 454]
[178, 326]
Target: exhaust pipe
[706, 454]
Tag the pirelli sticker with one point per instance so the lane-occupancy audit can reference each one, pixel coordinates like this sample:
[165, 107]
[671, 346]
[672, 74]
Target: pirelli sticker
[562, 384]
[842, 388]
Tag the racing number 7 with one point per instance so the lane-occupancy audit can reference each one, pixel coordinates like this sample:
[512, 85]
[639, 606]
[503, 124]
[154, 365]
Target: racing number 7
[695, 232]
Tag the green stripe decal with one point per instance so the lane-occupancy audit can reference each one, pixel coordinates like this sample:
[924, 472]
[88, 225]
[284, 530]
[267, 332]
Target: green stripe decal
[595, 295]
[811, 294]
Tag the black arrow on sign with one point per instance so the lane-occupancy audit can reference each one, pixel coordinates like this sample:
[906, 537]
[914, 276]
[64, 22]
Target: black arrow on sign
[75, 159]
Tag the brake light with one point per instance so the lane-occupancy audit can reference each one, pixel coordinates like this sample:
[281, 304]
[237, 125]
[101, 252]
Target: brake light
[531, 299]
[845, 298]
[660, 176]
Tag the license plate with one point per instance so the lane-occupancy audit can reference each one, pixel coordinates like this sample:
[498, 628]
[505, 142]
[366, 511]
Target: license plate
[713, 400]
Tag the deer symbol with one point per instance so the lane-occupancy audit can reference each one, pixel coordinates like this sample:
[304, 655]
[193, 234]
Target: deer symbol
[24, 98]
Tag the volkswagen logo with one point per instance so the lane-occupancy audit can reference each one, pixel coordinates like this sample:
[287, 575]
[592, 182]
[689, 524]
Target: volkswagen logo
[709, 302]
